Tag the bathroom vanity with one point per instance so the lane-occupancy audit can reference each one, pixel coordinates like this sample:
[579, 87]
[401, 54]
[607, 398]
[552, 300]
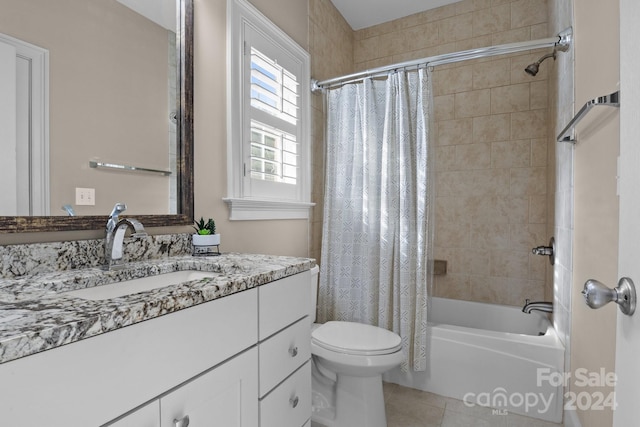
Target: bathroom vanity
[228, 349]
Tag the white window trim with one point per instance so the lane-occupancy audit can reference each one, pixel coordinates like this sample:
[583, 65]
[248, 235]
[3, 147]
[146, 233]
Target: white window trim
[242, 207]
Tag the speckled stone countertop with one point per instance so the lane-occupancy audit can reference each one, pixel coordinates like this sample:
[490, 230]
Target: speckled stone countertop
[37, 315]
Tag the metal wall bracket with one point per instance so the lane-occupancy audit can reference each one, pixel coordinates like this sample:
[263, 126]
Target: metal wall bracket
[611, 100]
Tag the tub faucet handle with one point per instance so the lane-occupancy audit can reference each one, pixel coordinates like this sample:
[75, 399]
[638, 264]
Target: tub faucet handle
[549, 251]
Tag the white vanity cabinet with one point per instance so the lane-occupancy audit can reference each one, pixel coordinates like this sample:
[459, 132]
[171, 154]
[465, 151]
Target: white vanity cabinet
[284, 332]
[238, 361]
[147, 416]
[224, 396]
[96, 380]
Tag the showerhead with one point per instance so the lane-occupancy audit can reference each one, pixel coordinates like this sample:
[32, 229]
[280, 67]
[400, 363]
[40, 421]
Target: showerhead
[532, 69]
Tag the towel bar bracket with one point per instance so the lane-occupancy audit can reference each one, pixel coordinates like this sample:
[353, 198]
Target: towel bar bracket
[611, 100]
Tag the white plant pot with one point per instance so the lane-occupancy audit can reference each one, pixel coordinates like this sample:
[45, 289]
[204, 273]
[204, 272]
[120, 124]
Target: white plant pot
[206, 239]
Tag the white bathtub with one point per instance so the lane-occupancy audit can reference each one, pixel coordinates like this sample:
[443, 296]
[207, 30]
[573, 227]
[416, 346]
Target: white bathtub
[491, 355]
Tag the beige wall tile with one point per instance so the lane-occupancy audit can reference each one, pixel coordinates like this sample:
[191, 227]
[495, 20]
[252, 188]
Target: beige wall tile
[479, 261]
[540, 31]
[528, 181]
[510, 263]
[487, 182]
[452, 132]
[528, 12]
[509, 99]
[484, 236]
[419, 37]
[496, 127]
[529, 124]
[492, 74]
[445, 157]
[452, 209]
[441, 12]
[452, 286]
[467, 6]
[537, 266]
[451, 234]
[474, 43]
[538, 95]
[473, 156]
[539, 152]
[511, 36]
[459, 79]
[492, 20]
[473, 103]
[443, 107]
[366, 49]
[511, 154]
[523, 237]
[495, 209]
[537, 209]
[459, 27]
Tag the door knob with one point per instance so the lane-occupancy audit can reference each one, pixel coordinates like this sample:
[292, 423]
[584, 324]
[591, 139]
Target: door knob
[597, 295]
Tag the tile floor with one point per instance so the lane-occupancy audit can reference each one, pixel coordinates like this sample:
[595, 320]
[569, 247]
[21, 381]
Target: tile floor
[407, 407]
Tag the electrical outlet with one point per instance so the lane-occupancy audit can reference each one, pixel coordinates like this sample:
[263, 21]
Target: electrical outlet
[85, 196]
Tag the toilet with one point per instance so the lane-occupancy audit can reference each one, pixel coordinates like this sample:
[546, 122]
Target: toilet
[348, 362]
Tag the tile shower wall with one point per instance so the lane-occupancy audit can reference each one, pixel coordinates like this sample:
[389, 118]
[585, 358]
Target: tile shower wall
[560, 200]
[331, 48]
[490, 143]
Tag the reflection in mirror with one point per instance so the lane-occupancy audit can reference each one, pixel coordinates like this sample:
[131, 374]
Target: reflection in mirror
[119, 76]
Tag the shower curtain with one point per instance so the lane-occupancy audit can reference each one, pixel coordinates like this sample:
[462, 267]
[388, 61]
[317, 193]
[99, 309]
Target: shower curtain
[376, 230]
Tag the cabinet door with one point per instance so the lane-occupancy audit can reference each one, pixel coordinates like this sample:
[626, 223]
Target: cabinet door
[147, 416]
[226, 396]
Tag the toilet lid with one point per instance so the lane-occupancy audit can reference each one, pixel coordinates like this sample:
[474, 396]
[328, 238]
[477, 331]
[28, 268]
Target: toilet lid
[356, 338]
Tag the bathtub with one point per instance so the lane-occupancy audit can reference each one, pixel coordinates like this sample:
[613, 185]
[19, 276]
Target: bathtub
[491, 355]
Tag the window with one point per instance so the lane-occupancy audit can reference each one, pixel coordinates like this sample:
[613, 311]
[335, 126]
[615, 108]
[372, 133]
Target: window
[269, 138]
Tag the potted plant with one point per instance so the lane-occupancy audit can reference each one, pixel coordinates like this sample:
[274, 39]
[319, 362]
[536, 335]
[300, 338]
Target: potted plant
[205, 233]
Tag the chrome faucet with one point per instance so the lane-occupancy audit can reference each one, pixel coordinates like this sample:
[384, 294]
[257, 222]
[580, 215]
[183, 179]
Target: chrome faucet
[114, 237]
[545, 306]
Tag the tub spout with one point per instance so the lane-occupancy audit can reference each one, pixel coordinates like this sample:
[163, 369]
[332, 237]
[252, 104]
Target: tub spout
[545, 306]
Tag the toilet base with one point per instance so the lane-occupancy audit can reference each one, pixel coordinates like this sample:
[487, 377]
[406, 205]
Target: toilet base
[359, 403]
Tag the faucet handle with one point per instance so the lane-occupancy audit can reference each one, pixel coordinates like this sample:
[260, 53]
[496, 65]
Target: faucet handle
[117, 210]
[113, 217]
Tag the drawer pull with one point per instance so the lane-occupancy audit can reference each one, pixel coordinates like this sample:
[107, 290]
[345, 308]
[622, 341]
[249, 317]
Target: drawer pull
[183, 422]
[294, 401]
[293, 351]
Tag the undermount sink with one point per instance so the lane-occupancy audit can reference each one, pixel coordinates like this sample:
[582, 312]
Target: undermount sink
[134, 286]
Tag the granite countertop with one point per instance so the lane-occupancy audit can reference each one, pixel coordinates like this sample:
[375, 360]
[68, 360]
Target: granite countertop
[37, 315]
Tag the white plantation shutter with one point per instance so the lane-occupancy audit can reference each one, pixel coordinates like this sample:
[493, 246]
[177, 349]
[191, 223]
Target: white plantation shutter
[269, 100]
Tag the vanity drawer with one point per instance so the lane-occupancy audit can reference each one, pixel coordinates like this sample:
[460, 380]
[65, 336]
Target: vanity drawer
[289, 404]
[282, 302]
[283, 353]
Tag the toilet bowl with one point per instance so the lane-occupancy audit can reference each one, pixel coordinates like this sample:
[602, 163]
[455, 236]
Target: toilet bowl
[349, 359]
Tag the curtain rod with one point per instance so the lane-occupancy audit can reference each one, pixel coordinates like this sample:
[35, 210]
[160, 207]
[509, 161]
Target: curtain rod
[560, 42]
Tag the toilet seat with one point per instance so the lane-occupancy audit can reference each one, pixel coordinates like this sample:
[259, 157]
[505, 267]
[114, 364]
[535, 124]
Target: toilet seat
[356, 339]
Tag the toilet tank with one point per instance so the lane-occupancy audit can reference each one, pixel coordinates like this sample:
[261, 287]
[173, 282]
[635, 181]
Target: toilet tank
[314, 293]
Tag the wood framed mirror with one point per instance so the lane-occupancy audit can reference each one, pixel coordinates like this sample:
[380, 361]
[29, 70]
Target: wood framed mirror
[182, 117]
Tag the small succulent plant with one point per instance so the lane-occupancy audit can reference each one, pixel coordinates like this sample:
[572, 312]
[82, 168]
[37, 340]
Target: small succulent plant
[205, 228]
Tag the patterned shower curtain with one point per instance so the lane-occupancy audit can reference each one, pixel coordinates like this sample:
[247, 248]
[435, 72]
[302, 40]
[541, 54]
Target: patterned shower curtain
[376, 235]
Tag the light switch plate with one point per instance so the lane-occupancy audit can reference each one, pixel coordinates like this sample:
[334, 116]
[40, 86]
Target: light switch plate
[85, 196]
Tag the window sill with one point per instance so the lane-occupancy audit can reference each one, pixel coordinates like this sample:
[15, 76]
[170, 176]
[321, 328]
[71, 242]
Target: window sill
[252, 209]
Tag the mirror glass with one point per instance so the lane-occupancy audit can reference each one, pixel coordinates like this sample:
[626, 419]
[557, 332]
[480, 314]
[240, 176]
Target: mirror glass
[100, 113]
